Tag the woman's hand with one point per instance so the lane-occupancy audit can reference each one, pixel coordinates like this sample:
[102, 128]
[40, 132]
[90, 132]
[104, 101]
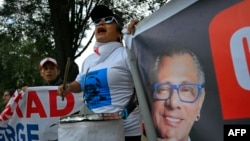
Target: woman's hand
[74, 87]
[63, 90]
[131, 26]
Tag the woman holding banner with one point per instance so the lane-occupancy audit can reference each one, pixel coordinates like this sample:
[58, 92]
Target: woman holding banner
[109, 69]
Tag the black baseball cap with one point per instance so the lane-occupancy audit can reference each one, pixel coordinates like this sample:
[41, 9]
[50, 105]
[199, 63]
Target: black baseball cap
[101, 11]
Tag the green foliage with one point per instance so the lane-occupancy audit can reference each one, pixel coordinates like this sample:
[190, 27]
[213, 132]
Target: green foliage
[19, 64]
[25, 38]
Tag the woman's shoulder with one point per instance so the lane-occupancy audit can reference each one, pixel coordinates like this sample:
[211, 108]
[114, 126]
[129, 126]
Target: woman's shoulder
[122, 51]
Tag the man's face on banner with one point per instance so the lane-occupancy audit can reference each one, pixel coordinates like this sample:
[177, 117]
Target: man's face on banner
[176, 112]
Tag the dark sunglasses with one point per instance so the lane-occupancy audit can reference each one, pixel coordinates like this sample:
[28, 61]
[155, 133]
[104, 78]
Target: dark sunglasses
[107, 20]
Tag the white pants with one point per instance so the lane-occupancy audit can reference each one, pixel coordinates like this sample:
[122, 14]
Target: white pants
[110, 130]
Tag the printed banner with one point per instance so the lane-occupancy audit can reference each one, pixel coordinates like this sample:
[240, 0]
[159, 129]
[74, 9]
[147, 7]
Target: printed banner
[34, 115]
[184, 103]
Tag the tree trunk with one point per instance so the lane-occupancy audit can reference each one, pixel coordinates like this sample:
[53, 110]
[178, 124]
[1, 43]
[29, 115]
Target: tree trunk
[63, 35]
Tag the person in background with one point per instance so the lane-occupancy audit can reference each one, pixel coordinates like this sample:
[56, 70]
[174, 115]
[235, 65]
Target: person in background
[109, 63]
[178, 93]
[49, 71]
[7, 95]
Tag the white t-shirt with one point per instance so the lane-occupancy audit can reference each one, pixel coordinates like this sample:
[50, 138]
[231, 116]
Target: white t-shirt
[108, 85]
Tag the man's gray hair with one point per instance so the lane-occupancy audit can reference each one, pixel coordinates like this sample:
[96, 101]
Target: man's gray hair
[176, 50]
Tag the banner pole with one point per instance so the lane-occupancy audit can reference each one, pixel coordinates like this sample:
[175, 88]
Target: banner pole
[147, 119]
